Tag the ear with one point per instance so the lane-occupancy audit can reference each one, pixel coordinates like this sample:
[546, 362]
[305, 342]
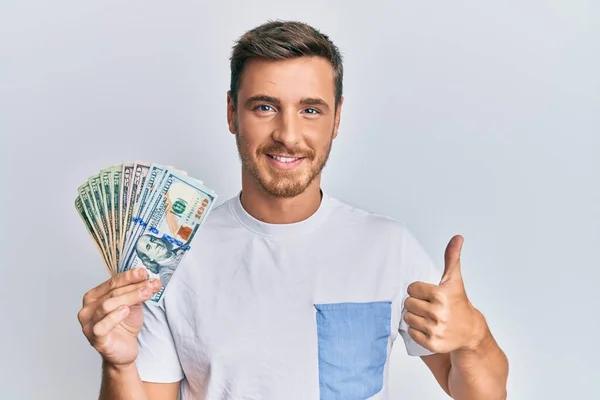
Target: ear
[231, 117]
[338, 116]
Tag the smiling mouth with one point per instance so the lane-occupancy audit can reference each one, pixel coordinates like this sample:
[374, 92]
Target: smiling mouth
[284, 163]
[285, 159]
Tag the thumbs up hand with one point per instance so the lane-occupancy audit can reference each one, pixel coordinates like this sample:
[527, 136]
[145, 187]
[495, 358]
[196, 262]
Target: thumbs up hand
[440, 317]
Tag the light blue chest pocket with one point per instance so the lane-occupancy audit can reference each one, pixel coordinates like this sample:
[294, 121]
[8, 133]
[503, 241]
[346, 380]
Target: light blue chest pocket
[352, 340]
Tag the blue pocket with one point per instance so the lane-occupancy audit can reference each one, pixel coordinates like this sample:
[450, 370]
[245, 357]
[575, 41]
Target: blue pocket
[352, 340]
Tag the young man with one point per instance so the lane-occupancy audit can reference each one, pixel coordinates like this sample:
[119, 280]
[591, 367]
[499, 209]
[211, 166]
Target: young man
[290, 293]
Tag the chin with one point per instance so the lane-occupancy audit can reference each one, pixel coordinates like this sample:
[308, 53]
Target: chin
[285, 188]
[285, 193]
[282, 184]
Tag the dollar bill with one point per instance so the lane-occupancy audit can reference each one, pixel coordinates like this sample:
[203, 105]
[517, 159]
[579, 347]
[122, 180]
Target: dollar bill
[146, 191]
[100, 210]
[107, 200]
[180, 207]
[134, 228]
[88, 225]
[139, 172]
[147, 207]
[127, 169]
[142, 214]
[116, 173]
[91, 216]
[141, 169]
[148, 200]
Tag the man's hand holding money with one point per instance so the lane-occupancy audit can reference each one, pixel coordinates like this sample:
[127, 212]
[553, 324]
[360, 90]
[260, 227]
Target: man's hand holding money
[112, 315]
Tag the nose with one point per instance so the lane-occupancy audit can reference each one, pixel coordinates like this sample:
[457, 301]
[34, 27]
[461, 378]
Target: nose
[287, 130]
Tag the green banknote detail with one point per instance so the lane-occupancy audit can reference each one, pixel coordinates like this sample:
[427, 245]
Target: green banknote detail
[107, 200]
[116, 173]
[180, 207]
[98, 204]
[90, 228]
[125, 179]
[88, 207]
[146, 193]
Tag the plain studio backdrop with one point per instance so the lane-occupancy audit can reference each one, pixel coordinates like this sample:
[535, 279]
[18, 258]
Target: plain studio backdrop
[470, 117]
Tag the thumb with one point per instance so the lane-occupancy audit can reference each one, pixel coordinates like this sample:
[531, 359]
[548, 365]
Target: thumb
[452, 261]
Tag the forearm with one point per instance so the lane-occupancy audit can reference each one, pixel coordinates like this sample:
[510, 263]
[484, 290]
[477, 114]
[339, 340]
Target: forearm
[123, 383]
[480, 372]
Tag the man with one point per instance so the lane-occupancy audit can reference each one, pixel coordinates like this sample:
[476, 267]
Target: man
[290, 293]
[159, 255]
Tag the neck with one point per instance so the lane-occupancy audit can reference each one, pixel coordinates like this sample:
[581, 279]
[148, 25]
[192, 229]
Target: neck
[272, 210]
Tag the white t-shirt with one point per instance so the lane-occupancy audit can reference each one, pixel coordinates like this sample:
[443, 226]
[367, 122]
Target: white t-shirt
[307, 310]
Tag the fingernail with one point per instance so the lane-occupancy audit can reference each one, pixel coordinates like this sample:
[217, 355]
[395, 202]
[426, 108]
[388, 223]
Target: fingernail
[145, 292]
[155, 283]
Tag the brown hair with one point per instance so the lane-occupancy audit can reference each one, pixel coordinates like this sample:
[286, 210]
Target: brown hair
[278, 40]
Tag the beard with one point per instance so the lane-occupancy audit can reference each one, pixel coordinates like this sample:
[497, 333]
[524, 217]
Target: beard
[282, 183]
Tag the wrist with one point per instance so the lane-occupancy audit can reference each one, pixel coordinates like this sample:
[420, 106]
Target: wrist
[480, 335]
[119, 369]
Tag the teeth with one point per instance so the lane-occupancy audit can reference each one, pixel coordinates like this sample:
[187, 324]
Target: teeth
[284, 159]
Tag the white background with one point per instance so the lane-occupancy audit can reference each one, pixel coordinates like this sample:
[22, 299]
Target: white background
[470, 117]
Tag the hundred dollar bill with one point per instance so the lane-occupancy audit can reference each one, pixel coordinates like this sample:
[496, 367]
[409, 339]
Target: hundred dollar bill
[116, 172]
[149, 206]
[107, 199]
[137, 187]
[90, 229]
[100, 209]
[181, 206]
[138, 173]
[125, 181]
[150, 182]
[148, 200]
[145, 207]
[88, 208]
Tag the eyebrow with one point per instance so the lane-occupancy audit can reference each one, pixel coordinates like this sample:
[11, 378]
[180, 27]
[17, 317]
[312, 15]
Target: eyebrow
[306, 101]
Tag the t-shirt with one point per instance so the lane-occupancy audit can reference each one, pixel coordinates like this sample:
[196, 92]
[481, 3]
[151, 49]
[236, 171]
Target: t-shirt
[306, 310]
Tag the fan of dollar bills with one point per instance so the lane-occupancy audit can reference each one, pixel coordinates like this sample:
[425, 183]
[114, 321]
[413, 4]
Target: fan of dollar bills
[143, 215]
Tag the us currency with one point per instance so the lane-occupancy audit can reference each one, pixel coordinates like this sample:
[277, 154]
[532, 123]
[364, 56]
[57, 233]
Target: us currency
[140, 171]
[127, 168]
[100, 209]
[107, 200]
[116, 173]
[147, 190]
[138, 184]
[91, 216]
[90, 229]
[157, 174]
[134, 184]
[143, 208]
[180, 208]
[147, 208]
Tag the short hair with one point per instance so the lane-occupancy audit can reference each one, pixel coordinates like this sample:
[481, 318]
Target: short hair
[279, 40]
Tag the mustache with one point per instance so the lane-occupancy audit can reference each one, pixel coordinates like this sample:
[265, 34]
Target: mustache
[284, 151]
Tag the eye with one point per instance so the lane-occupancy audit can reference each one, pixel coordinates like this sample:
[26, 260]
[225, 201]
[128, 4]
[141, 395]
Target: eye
[148, 247]
[263, 108]
[312, 111]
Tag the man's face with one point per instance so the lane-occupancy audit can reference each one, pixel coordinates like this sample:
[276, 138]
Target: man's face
[284, 122]
[153, 247]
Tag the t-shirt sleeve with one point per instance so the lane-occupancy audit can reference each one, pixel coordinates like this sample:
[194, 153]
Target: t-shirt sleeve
[157, 359]
[416, 265]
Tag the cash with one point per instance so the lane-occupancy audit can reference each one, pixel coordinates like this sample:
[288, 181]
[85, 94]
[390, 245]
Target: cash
[143, 215]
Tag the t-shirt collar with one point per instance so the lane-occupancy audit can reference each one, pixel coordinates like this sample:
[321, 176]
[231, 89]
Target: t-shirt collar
[279, 230]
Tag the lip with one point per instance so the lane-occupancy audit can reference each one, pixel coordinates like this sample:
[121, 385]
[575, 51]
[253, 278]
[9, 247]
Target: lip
[283, 165]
